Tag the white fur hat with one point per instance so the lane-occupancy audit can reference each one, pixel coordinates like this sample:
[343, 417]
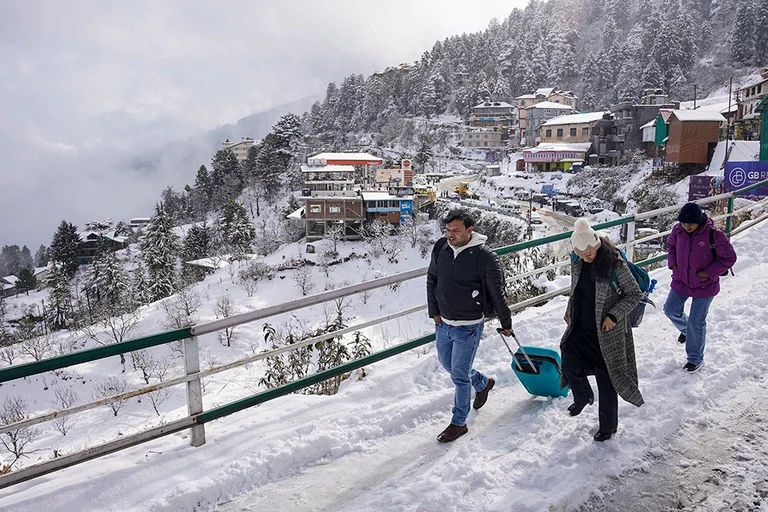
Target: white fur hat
[584, 236]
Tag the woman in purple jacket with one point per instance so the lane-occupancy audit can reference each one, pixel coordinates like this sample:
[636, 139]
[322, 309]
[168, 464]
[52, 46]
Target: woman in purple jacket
[695, 274]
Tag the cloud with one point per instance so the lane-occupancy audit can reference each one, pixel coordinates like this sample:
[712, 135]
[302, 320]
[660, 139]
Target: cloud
[86, 85]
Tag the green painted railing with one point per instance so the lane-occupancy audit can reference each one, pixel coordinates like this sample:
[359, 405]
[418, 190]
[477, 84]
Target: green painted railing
[94, 354]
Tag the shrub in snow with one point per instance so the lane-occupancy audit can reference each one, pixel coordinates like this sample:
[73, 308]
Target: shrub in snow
[224, 309]
[16, 442]
[303, 279]
[65, 398]
[112, 386]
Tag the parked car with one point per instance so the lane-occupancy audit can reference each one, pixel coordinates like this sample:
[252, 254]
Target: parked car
[511, 207]
[536, 218]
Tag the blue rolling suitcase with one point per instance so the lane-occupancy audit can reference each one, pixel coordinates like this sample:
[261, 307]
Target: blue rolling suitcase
[537, 368]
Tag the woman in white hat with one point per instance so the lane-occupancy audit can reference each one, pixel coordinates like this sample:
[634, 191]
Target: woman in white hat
[598, 340]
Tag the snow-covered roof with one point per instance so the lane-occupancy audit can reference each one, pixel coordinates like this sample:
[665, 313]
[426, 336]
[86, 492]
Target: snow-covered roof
[550, 104]
[383, 196]
[544, 91]
[526, 97]
[586, 117]
[649, 124]
[11, 280]
[698, 115]
[560, 146]
[489, 104]
[298, 214]
[762, 81]
[220, 262]
[665, 113]
[327, 168]
[39, 270]
[345, 158]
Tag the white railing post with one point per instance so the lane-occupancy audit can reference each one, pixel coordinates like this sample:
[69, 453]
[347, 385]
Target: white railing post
[630, 252]
[194, 389]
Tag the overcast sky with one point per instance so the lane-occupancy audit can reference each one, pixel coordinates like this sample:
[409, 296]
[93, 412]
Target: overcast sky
[86, 84]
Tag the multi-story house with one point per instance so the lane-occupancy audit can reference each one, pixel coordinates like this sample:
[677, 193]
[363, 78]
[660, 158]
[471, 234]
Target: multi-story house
[240, 149]
[747, 122]
[490, 125]
[543, 94]
[571, 128]
[332, 192]
[536, 115]
[630, 118]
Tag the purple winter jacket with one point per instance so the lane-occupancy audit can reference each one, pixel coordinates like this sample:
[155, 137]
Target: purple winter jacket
[691, 253]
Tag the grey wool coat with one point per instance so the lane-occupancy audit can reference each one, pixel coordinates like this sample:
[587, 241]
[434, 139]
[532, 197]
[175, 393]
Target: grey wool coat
[617, 344]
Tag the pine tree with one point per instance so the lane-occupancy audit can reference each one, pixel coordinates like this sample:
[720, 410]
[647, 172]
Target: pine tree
[59, 298]
[160, 247]
[140, 293]
[27, 280]
[760, 33]
[237, 230]
[227, 179]
[10, 260]
[269, 166]
[64, 247]
[108, 284]
[26, 258]
[287, 134]
[742, 36]
[428, 99]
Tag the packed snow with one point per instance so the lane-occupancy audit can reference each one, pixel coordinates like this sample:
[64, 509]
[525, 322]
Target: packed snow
[372, 446]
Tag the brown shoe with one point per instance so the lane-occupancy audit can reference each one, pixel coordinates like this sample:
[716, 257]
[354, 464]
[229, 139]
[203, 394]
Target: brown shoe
[452, 433]
[482, 396]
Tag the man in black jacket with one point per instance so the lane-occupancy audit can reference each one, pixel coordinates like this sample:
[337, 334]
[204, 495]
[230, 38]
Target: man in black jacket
[465, 284]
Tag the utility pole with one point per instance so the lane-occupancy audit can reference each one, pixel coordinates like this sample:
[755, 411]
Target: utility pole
[728, 124]
[695, 87]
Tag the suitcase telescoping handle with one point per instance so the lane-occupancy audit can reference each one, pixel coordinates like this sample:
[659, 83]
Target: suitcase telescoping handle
[504, 339]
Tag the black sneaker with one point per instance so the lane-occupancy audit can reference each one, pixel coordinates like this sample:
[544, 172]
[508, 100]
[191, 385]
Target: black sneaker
[681, 338]
[692, 368]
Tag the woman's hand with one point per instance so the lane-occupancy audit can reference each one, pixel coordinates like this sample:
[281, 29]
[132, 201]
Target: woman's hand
[701, 273]
[608, 324]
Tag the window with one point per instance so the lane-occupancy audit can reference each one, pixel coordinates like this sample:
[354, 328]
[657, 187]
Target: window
[315, 208]
[759, 88]
[585, 132]
[559, 132]
[548, 133]
[334, 209]
[573, 132]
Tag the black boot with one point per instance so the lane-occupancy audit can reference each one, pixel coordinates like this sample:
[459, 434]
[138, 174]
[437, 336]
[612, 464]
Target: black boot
[604, 435]
[575, 409]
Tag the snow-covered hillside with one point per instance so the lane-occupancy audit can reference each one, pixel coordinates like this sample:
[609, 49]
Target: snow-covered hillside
[372, 446]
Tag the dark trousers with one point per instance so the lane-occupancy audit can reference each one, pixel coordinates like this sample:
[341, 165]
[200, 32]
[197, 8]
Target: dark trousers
[576, 372]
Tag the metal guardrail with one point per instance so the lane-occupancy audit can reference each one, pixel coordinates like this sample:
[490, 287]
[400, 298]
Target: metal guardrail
[197, 418]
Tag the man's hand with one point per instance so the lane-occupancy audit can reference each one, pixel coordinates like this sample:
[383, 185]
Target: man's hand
[701, 273]
[438, 320]
[565, 317]
[608, 324]
[506, 332]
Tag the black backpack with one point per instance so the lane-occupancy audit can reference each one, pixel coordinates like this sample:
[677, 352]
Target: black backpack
[714, 252]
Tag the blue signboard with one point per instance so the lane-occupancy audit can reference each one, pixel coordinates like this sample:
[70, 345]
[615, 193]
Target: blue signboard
[406, 210]
[705, 186]
[742, 174]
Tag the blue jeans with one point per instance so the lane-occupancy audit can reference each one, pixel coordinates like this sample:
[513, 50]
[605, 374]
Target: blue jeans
[693, 326]
[456, 348]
